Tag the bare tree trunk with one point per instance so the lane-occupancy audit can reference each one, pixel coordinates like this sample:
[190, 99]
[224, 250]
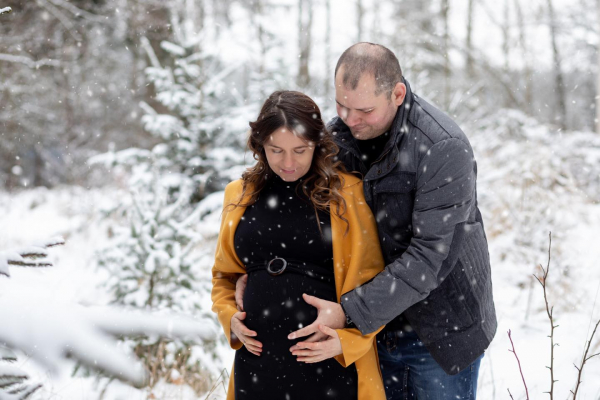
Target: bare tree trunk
[328, 66]
[304, 41]
[360, 13]
[257, 14]
[376, 27]
[526, 56]
[561, 112]
[506, 36]
[469, 42]
[447, 89]
[598, 76]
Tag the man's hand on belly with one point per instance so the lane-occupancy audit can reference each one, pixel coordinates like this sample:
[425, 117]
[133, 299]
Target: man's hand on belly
[316, 352]
[329, 314]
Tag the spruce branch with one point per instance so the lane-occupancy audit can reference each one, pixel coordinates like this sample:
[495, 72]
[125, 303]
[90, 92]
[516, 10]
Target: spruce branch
[31, 256]
[550, 313]
[519, 363]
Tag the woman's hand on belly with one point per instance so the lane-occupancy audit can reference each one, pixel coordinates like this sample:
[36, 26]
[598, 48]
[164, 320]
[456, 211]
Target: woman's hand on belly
[245, 335]
[240, 289]
[318, 351]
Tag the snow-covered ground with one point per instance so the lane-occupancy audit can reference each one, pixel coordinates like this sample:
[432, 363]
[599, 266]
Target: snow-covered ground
[530, 183]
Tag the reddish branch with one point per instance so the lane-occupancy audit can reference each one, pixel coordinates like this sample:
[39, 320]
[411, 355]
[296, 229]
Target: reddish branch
[520, 370]
[584, 359]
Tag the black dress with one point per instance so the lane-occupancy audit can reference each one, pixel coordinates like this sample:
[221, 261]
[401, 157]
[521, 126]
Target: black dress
[282, 224]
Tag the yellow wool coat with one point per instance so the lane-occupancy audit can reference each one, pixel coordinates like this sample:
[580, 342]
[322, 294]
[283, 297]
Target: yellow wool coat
[356, 256]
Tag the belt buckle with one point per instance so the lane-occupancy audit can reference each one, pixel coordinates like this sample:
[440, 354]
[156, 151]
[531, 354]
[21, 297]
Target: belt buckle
[280, 270]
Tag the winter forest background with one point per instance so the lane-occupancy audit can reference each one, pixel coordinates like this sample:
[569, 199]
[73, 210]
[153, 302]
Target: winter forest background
[122, 120]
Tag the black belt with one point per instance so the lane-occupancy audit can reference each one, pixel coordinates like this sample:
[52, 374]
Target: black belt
[278, 266]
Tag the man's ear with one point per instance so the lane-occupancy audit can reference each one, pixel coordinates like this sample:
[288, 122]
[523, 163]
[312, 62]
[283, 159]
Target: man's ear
[398, 94]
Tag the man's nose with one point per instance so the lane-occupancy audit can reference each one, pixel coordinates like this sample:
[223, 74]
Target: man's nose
[352, 118]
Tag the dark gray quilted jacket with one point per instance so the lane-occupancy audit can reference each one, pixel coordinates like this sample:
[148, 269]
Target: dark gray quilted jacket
[422, 191]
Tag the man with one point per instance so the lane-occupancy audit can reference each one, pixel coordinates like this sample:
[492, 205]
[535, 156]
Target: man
[419, 173]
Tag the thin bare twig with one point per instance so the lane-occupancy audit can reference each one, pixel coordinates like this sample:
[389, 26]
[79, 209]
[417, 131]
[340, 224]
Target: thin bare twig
[510, 394]
[549, 311]
[584, 359]
[518, 362]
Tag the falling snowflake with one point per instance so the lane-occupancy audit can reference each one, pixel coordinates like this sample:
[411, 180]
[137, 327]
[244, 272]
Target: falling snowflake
[272, 202]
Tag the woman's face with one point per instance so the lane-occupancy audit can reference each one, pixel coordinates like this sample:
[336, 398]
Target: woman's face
[289, 156]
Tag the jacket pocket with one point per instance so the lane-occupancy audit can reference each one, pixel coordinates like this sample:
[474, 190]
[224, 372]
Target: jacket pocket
[442, 312]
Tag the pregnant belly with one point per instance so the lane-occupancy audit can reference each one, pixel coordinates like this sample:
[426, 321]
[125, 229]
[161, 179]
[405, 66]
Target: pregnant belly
[275, 307]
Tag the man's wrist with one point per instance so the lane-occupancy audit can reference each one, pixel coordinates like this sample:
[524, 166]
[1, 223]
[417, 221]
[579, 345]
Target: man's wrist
[349, 323]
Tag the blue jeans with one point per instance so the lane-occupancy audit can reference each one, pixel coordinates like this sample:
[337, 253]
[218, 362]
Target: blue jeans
[409, 371]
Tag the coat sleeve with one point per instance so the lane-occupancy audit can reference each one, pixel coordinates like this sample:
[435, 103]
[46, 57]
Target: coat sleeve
[445, 195]
[225, 272]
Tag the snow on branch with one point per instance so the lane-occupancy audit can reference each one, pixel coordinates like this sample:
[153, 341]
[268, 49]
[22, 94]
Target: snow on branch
[30, 256]
[28, 61]
[5, 10]
[12, 386]
[52, 332]
[18, 391]
[7, 354]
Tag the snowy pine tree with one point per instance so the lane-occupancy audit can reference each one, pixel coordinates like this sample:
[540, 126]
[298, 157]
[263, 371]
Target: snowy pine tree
[201, 118]
[154, 263]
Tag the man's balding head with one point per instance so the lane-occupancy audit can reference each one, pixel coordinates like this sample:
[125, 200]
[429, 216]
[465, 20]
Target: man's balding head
[373, 59]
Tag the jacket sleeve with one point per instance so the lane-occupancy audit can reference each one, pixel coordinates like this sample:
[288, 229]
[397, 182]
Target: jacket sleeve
[225, 272]
[445, 195]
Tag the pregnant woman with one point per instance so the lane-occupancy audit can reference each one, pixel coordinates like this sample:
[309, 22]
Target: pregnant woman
[296, 224]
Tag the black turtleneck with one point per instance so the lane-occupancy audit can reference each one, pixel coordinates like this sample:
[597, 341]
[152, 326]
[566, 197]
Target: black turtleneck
[371, 149]
[282, 223]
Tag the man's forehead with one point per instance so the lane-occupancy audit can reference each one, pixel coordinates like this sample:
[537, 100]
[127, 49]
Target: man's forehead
[364, 86]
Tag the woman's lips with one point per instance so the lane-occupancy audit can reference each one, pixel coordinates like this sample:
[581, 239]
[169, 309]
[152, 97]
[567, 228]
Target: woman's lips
[288, 172]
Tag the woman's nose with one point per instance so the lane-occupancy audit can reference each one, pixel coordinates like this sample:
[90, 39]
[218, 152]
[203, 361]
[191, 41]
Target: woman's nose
[288, 161]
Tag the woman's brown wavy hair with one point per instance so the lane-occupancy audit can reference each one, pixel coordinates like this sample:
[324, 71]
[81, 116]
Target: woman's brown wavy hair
[299, 114]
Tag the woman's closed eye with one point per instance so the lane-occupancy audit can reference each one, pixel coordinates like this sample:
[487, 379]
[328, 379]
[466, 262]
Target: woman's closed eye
[275, 151]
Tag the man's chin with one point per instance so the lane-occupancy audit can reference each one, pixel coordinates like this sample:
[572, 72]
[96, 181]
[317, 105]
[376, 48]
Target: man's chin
[361, 134]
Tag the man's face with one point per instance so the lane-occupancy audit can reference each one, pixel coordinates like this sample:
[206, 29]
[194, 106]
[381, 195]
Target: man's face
[366, 114]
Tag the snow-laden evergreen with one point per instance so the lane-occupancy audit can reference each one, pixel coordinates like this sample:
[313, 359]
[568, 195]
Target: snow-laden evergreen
[200, 121]
[155, 260]
[49, 331]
